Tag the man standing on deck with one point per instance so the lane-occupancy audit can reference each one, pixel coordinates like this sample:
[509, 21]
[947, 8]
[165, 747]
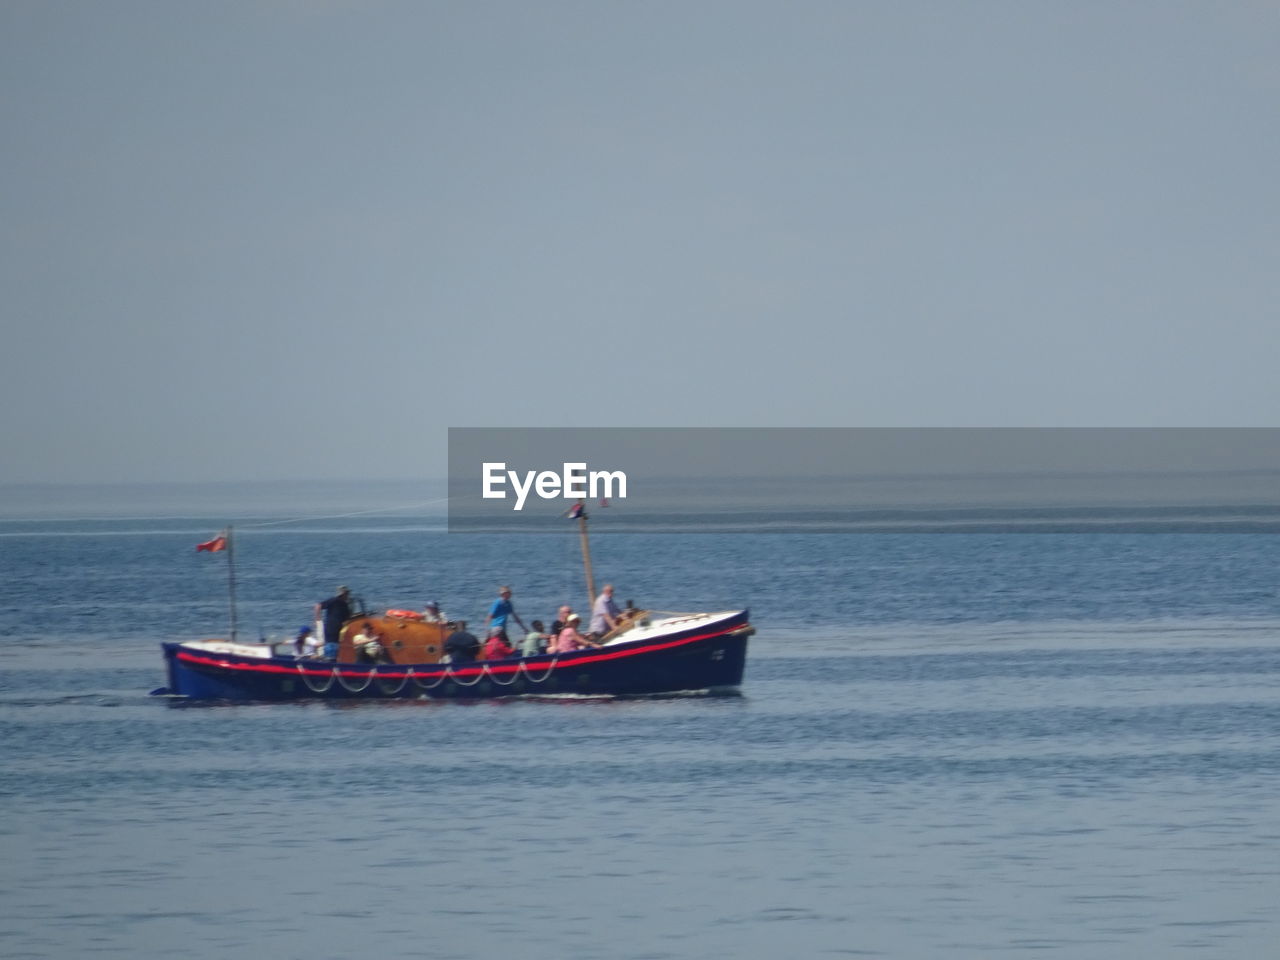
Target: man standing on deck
[500, 611]
[461, 647]
[604, 615]
[336, 611]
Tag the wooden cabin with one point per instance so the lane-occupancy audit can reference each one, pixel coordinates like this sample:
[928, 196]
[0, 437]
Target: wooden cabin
[405, 637]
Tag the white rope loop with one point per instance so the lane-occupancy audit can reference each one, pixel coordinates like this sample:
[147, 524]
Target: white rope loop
[368, 679]
[382, 685]
[306, 678]
[515, 675]
[550, 666]
[484, 671]
[422, 686]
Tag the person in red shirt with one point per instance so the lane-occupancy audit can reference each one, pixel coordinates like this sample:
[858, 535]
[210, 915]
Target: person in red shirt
[496, 647]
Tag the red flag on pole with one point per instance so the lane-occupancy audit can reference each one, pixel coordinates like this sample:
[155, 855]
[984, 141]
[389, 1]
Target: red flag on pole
[213, 546]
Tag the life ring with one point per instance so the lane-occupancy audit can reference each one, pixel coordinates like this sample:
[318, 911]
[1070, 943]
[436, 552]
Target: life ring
[405, 614]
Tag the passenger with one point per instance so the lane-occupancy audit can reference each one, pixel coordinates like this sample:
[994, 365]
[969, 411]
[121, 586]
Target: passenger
[496, 647]
[562, 617]
[432, 613]
[570, 639]
[501, 611]
[461, 647]
[307, 643]
[337, 611]
[300, 641]
[535, 641]
[368, 646]
[604, 615]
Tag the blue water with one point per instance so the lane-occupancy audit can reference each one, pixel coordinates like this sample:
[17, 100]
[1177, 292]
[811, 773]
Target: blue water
[1015, 745]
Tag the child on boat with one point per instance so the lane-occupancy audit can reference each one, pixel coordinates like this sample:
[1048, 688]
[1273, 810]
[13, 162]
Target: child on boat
[535, 641]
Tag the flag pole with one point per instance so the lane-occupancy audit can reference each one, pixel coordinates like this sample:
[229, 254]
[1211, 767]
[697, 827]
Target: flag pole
[586, 554]
[231, 579]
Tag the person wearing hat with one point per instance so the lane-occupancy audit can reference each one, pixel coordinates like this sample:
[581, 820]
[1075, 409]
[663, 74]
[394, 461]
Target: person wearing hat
[306, 644]
[432, 613]
[569, 638]
[336, 611]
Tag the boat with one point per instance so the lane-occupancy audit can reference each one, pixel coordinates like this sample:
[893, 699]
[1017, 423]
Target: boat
[646, 654]
[686, 654]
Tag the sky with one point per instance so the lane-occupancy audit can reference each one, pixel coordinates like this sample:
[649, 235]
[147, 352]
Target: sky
[302, 238]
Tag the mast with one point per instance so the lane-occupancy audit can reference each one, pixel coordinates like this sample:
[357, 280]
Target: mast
[231, 579]
[586, 554]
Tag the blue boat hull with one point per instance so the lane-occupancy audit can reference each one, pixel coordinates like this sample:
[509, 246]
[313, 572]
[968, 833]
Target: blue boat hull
[699, 658]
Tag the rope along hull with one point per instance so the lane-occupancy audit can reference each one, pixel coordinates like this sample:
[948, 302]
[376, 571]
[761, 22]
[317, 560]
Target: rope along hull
[707, 656]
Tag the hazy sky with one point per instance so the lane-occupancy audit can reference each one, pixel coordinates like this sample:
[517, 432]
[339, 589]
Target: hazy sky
[274, 239]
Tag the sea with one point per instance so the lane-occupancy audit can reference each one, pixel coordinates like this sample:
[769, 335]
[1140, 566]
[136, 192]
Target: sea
[947, 744]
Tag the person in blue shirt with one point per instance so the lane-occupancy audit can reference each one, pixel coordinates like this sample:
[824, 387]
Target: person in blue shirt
[500, 612]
